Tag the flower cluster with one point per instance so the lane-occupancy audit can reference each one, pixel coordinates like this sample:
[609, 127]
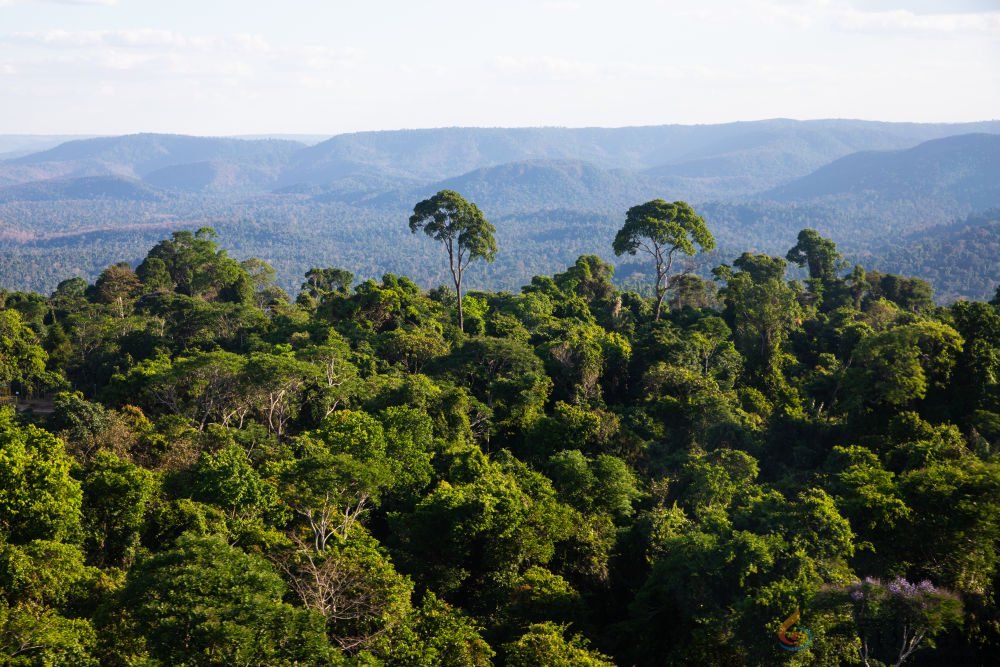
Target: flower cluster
[898, 587]
[902, 587]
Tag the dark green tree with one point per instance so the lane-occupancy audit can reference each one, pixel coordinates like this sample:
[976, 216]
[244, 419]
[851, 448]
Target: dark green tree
[205, 602]
[461, 228]
[817, 253]
[661, 229]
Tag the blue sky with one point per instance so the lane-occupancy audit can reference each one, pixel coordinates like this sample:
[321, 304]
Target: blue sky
[311, 66]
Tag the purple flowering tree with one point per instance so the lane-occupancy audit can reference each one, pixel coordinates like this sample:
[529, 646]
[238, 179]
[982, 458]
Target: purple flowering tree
[893, 619]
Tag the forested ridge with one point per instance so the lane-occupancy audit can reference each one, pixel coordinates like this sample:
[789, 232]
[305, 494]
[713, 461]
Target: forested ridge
[198, 468]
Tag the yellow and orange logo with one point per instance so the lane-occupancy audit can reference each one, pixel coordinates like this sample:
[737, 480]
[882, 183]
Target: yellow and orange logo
[794, 637]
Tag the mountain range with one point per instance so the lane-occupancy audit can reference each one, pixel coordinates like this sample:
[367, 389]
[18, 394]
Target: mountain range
[861, 182]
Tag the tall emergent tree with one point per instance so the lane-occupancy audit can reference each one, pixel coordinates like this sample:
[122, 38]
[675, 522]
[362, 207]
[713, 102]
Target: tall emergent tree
[816, 252]
[463, 230]
[661, 229]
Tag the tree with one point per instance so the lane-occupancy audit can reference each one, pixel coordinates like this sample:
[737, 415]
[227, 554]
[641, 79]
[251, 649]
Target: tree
[447, 638]
[816, 252]
[505, 375]
[463, 230]
[204, 602]
[38, 498]
[116, 494]
[605, 484]
[118, 285]
[898, 366]
[330, 492]
[33, 635]
[661, 229]
[191, 264]
[545, 645]
[338, 376]
[262, 277]
[893, 619]
[227, 480]
[589, 277]
[469, 538]
[276, 383]
[954, 526]
[321, 283]
[22, 359]
[761, 309]
[353, 586]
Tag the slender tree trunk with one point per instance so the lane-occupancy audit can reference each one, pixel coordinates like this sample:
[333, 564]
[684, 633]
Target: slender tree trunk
[461, 316]
[456, 277]
[661, 288]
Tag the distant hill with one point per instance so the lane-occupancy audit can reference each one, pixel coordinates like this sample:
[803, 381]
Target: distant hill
[961, 171]
[699, 162]
[368, 189]
[553, 193]
[536, 185]
[137, 155]
[219, 177]
[18, 145]
[89, 187]
[758, 154]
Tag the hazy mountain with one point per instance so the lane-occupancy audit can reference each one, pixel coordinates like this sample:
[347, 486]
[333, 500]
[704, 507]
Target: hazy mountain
[369, 189]
[18, 145]
[305, 139]
[225, 178]
[137, 155]
[536, 185]
[89, 187]
[763, 153]
[963, 171]
[699, 162]
[553, 193]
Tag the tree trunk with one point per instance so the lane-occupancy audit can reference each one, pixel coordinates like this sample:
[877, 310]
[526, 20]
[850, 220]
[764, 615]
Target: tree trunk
[661, 288]
[461, 315]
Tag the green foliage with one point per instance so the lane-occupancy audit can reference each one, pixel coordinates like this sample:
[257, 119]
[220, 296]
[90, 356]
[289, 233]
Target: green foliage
[38, 498]
[447, 637]
[546, 644]
[894, 619]
[22, 358]
[661, 229]
[33, 636]
[207, 603]
[462, 229]
[116, 496]
[352, 479]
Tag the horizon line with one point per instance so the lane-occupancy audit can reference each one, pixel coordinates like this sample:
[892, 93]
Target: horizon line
[97, 135]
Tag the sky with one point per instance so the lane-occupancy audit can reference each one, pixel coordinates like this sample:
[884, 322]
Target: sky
[229, 67]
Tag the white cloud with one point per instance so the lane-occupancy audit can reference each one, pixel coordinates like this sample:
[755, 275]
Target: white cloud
[902, 20]
[116, 38]
[105, 3]
[882, 17]
[561, 6]
[546, 67]
[151, 53]
[140, 38]
[549, 69]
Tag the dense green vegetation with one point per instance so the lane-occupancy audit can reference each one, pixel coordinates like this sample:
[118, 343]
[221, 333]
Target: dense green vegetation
[961, 259]
[765, 471]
